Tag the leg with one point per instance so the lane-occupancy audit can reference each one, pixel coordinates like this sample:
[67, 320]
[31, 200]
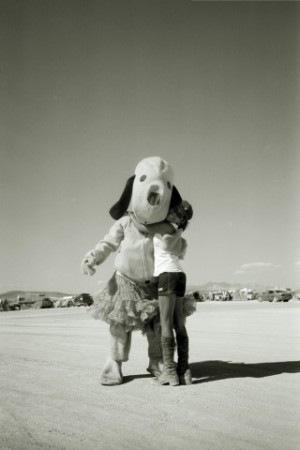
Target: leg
[183, 370]
[179, 319]
[166, 308]
[166, 311]
[120, 342]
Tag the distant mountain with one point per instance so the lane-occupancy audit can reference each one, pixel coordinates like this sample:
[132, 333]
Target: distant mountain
[224, 286]
[13, 295]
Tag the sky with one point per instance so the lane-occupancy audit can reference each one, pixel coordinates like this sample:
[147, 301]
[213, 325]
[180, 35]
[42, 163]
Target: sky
[91, 87]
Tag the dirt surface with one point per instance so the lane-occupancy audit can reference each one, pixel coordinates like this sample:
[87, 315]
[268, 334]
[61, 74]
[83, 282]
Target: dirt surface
[245, 393]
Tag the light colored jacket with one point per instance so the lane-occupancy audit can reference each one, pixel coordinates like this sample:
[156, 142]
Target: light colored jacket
[135, 258]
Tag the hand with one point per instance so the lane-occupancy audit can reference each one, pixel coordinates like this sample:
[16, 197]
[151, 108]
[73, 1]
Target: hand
[88, 263]
[89, 270]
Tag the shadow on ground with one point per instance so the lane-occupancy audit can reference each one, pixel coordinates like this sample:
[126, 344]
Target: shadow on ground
[206, 371]
[221, 370]
[128, 378]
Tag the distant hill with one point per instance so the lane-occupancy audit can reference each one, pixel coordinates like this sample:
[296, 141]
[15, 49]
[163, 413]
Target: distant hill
[224, 286]
[13, 295]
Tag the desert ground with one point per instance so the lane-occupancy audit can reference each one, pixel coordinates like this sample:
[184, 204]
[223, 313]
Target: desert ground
[245, 360]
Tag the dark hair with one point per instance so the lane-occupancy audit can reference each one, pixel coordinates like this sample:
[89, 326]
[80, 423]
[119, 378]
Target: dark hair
[184, 212]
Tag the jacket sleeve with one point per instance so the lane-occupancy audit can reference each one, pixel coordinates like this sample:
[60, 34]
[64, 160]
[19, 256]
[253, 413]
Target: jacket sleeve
[110, 243]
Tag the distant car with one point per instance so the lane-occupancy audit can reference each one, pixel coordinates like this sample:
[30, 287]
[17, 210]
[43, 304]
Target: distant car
[64, 303]
[250, 295]
[198, 296]
[222, 296]
[47, 303]
[275, 295]
[83, 300]
[43, 303]
[21, 303]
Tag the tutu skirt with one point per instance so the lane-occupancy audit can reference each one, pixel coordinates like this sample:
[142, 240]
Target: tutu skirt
[131, 305]
[126, 303]
[189, 305]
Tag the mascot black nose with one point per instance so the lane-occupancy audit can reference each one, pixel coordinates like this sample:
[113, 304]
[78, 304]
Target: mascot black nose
[153, 198]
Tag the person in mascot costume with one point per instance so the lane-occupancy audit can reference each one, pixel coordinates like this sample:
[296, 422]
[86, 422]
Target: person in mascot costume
[129, 301]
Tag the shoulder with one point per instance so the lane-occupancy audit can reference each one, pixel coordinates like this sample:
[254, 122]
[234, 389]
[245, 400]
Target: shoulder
[123, 222]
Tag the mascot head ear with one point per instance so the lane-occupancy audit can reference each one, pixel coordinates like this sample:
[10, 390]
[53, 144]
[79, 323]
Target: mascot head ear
[175, 199]
[118, 209]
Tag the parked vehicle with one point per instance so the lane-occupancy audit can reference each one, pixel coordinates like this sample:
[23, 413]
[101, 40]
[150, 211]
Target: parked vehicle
[64, 302]
[198, 296]
[222, 296]
[43, 303]
[83, 300]
[22, 303]
[275, 295]
[47, 303]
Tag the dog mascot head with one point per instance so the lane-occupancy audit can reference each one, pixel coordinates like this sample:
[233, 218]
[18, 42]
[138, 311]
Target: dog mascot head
[150, 190]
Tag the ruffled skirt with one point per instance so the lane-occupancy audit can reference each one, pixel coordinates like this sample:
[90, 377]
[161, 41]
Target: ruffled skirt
[131, 305]
[124, 302]
[189, 305]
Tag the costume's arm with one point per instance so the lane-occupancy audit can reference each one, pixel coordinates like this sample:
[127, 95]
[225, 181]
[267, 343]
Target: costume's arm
[162, 228]
[110, 243]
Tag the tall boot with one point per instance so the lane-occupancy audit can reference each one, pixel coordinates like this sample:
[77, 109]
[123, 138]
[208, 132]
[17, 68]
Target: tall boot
[183, 370]
[169, 374]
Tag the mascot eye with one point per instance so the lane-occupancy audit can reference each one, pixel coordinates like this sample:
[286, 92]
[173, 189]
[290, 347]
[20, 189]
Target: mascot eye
[143, 178]
[169, 185]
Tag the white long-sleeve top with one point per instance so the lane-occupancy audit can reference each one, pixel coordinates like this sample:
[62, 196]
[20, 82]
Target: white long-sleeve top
[168, 250]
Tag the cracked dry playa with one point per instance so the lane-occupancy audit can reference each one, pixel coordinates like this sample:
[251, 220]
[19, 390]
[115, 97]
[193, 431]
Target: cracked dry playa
[245, 394]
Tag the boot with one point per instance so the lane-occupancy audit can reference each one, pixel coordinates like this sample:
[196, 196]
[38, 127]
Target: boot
[169, 375]
[155, 366]
[183, 370]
